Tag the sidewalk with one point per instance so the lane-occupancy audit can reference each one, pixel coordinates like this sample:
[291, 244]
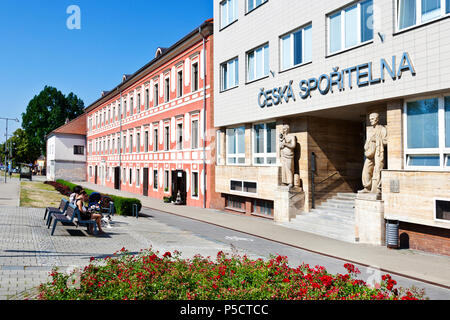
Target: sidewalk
[414, 264]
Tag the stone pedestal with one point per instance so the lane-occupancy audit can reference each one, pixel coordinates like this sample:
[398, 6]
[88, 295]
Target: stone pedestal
[288, 203]
[369, 219]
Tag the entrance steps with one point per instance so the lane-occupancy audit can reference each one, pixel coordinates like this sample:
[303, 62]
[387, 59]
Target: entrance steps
[334, 218]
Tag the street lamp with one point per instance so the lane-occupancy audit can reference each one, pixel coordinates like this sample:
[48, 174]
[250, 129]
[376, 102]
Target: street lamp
[6, 142]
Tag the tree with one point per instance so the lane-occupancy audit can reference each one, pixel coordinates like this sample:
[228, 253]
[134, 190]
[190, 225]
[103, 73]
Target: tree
[47, 111]
[20, 148]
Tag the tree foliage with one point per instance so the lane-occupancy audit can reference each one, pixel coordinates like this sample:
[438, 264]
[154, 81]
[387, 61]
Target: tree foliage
[20, 148]
[47, 111]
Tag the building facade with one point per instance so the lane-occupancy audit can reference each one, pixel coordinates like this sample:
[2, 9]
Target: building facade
[322, 68]
[151, 135]
[66, 151]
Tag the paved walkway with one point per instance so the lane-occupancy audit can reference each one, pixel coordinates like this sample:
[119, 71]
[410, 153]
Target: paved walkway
[410, 263]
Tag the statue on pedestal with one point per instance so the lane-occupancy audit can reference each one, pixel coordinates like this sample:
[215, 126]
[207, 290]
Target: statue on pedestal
[287, 147]
[374, 152]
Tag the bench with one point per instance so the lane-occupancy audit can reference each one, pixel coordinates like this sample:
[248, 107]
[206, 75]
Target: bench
[61, 209]
[71, 214]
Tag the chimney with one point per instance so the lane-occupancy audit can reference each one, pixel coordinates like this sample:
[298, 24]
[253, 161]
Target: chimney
[67, 120]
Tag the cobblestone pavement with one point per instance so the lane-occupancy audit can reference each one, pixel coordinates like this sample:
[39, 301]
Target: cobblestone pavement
[28, 252]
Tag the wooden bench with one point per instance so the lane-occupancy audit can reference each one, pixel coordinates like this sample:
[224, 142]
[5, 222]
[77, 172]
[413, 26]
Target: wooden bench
[71, 214]
[61, 209]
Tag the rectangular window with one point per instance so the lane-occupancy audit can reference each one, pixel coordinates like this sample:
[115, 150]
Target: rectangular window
[155, 179]
[180, 84]
[442, 210]
[415, 12]
[167, 138]
[147, 99]
[252, 4]
[235, 203]
[78, 150]
[229, 74]
[167, 89]
[194, 134]
[250, 187]
[235, 185]
[138, 103]
[131, 106]
[264, 141]
[236, 145]
[428, 133]
[263, 207]
[296, 48]
[138, 142]
[124, 175]
[146, 141]
[194, 184]
[258, 63]
[194, 76]
[166, 181]
[350, 26]
[155, 140]
[131, 176]
[228, 12]
[179, 136]
[130, 146]
[156, 95]
[124, 109]
[138, 182]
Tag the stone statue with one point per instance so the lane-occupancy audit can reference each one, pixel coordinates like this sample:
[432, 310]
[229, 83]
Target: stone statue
[287, 147]
[374, 152]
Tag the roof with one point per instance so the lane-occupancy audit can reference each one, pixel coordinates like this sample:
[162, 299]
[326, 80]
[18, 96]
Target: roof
[76, 126]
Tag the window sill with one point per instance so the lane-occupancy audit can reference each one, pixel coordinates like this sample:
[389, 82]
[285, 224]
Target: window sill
[250, 11]
[349, 49]
[230, 24]
[295, 67]
[221, 91]
[235, 209]
[259, 215]
[417, 26]
[256, 80]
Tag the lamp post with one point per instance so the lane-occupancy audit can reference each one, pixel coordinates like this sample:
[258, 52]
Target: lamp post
[6, 142]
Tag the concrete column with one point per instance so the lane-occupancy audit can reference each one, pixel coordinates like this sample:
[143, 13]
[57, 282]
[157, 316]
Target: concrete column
[395, 135]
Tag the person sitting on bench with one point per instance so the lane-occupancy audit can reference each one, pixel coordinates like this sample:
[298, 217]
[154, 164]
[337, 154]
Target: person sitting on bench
[75, 194]
[85, 214]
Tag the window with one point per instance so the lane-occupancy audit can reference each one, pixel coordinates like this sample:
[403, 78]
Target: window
[156, 95]
[351, 26]
[415, 12]
[218, 147]
[243, 186]
[252, 4]
[124, 109]
[131, 176]
[194, 81]
[138, 103]
[442, 210]
[138, 178]
[180, 84]
[155, 179]
[236, 145]
[229, 74]
[131, 144]
[265, 144]
[296, 48]
[78, 150]
[166, 138]
[258, 63]
[146, 141]
[194, 184]
[124, 176]
[138, 142]
[166, 181]
[131, 106]
[147, 99]
[90, 171]
[428, 133]
[167, 90]
[263, 207]
[194, 134]
[155, 140]
[234, 203]
[180, 136]
[228, 12]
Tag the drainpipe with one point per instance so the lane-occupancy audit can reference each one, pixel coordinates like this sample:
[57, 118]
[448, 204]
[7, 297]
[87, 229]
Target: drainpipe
[204, 115]
[120, 140]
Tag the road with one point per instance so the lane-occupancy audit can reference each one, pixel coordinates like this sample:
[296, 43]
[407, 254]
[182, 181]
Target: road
[265, 248]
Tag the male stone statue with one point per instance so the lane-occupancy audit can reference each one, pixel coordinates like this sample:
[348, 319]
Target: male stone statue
[374, 152]
[287, 147]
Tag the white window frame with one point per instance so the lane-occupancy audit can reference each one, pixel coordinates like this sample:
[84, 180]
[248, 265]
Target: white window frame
[193, 79]
[418, 15]
[195, 118]
[342, 13]
[155, 181]
[167, 186]
[237, 156]
[218, 147]
[263, 46]
[434, 209]
[222, 74]
[254, 5]
[196, 197]
[291, 35]
[166, 138]
[226, 23]
[130, 172]
[138, 180]
[179, 145]
[264, 155]
[180, 89]
[442, 151]
[167, 93]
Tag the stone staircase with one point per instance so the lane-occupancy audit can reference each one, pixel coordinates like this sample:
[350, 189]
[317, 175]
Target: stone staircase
[334, 218]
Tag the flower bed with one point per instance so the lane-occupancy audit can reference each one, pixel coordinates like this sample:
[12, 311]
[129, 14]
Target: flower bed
[148, 276]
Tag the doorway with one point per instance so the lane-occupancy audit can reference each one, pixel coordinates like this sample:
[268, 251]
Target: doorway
[117, 178]
[96, 175]
[179, 184]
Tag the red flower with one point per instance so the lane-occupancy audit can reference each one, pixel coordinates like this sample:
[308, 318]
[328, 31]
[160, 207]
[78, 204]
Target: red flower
[286, 280]
[167, 254]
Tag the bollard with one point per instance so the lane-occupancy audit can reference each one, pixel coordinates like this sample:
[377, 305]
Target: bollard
[111, 208]
[135, 210]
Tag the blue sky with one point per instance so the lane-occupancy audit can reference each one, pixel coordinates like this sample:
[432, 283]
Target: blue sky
[116, 37]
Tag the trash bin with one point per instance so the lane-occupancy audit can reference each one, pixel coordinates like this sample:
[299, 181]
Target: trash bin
[392, 234]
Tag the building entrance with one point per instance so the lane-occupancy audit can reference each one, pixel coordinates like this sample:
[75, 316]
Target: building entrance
[179, 184]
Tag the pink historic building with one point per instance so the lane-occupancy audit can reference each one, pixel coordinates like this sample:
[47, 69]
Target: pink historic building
[153, 133]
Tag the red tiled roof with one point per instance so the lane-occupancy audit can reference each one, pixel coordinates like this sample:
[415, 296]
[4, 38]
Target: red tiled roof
[76, 126]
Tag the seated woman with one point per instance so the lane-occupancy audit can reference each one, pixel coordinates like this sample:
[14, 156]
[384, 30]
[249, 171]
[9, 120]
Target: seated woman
[75, 194]
[85, 214]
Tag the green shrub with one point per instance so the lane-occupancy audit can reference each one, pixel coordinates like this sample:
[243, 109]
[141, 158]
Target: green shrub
[123, 206]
